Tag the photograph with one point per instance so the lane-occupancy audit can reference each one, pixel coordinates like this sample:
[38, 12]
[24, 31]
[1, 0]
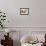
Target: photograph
[24, 11]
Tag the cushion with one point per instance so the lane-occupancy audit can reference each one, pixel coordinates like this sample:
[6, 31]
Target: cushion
[26, 39]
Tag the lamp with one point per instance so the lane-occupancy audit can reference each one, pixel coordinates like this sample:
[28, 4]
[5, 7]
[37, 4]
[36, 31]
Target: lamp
[7, 31]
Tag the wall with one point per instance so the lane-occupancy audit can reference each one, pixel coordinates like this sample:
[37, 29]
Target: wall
[36, 17]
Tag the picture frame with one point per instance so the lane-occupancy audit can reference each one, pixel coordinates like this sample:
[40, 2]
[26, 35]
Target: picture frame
[24, 11]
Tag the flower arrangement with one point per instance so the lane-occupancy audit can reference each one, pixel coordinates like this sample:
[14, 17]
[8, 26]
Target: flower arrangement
[2, 19]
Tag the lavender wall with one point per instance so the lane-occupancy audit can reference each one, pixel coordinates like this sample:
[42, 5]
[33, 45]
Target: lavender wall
[36, 17]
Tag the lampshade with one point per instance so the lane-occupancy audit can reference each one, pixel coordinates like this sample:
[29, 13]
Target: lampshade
[7, 30]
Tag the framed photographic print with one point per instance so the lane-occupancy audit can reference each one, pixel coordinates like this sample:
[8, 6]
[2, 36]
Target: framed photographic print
[24, 11]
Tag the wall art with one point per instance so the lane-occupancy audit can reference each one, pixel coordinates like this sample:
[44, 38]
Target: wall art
[24, 11]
